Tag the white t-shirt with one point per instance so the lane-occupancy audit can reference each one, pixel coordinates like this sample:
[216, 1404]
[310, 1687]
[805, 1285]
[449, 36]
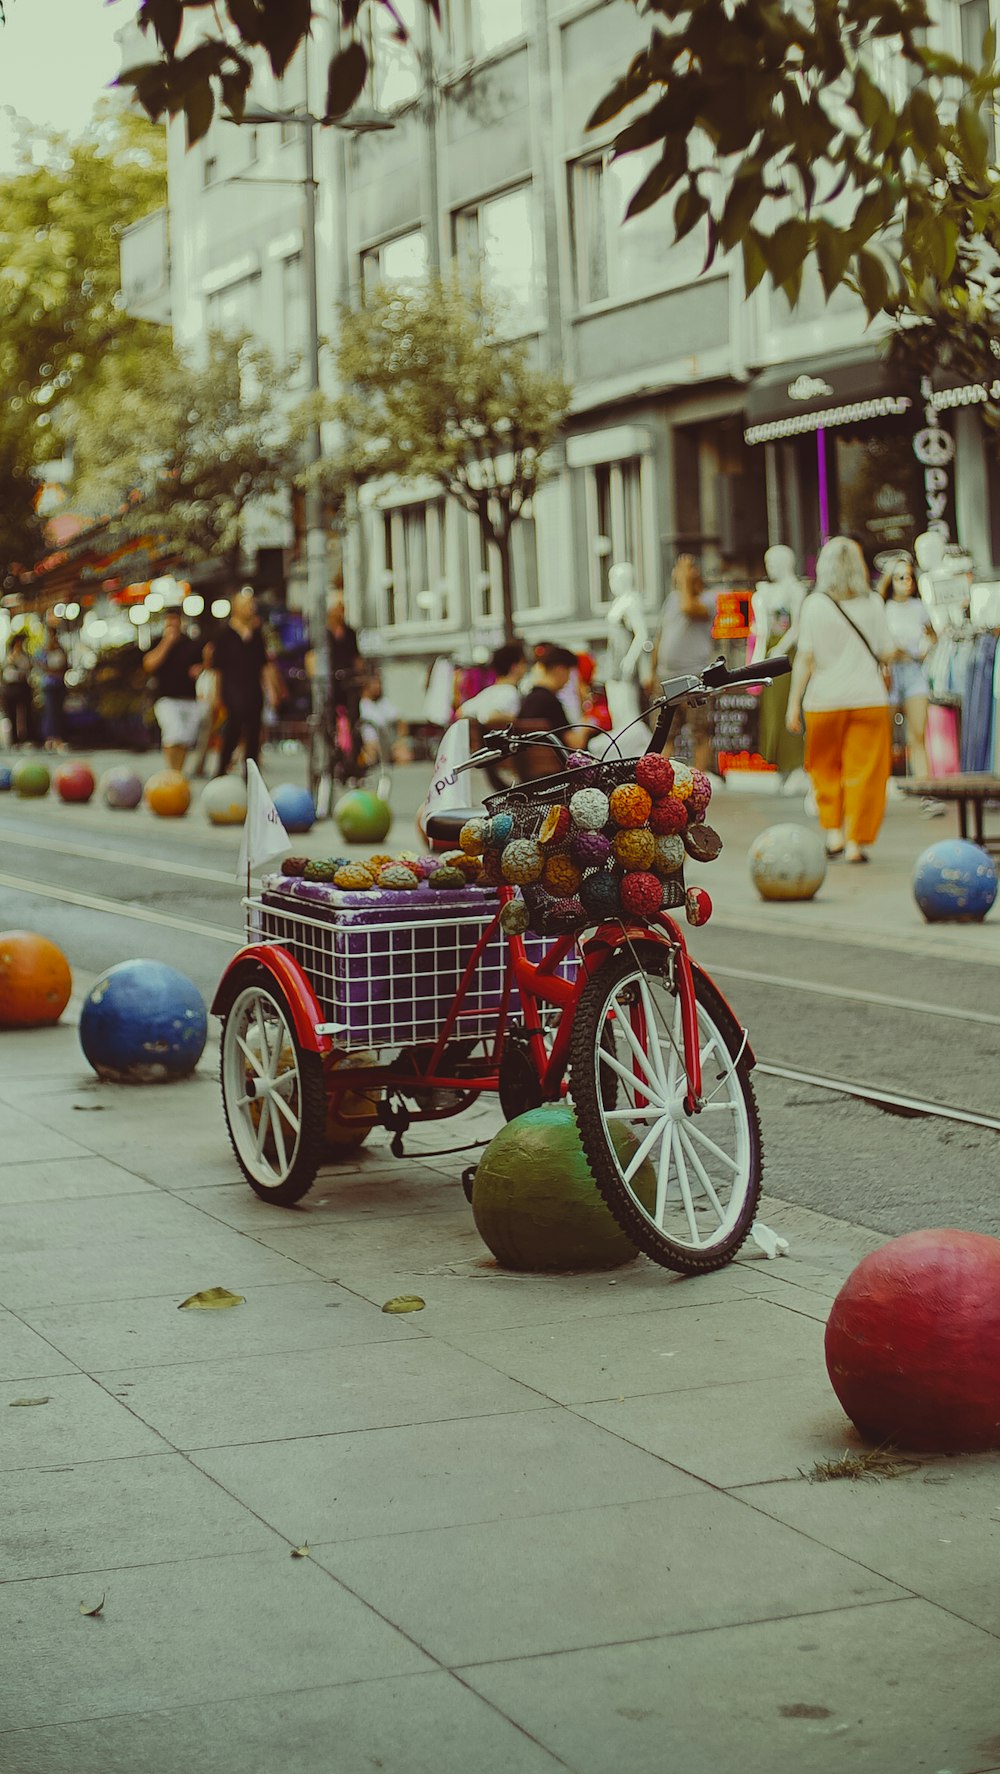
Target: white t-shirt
[844, 673]
[497, 703]
[907, 619]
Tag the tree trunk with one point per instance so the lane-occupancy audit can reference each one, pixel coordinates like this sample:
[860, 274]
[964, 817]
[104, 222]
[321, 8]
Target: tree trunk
[501, 542]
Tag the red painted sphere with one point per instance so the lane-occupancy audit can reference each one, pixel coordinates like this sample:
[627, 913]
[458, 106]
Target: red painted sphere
[668, 815]
[74, 782]
[913, 1342]
[697, 905]
[655, 775]
[642, 894]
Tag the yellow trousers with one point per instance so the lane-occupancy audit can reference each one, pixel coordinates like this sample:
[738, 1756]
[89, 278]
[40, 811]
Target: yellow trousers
[848, 757]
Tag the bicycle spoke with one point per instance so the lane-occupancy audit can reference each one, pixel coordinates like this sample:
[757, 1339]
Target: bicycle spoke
[292, 1119]
[641, 1150]
[682, 1178]
[652, 1085]
[277, 1134]
[723, 1157]
[652, 1030]
[663, 1181]
[629, 1076]
[263, 1123]
[252, 1058]
[652, 1113]
[702, 1174]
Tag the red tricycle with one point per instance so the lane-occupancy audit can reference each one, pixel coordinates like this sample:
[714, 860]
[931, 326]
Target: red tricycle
[337, 1015]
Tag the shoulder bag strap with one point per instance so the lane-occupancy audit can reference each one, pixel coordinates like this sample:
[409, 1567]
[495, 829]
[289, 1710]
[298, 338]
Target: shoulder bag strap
[861, 637]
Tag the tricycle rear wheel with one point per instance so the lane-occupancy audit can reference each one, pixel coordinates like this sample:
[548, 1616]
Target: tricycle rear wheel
[273, 1092]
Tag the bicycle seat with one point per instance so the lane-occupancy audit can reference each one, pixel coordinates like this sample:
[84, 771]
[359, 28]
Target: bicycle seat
[443, 828]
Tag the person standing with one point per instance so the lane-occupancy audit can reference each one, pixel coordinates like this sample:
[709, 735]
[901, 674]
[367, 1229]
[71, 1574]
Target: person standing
[55, 665]
[497, 705]
[15, 692]
[684, 647]
[175, 662]
[913, 635]
[837, 683]
[541, 710]
[246, 673]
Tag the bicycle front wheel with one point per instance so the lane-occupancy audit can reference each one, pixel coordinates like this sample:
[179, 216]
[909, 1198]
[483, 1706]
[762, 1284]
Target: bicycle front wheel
[684, 1187]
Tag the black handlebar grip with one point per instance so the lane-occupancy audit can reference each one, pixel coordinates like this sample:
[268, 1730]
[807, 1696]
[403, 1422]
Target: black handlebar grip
[777, 667]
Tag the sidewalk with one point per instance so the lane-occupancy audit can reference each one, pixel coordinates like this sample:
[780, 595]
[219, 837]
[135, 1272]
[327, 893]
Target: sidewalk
[553, 1522]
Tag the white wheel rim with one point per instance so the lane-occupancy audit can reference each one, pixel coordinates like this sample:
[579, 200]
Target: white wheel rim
[700, 1164]
[262, 1084]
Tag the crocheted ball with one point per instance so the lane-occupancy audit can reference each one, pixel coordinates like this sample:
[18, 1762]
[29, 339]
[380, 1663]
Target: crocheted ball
[472, 836]
[354, 877]
[668, 815]
[642, 895]
[491, 873]
[701, 793]
[295, 865]
[375, 864]
[522, 862]
[562, 915]
[600, 894]
[499, 830]
[514, 918]
[426, 866]
[697, 905]
[561, 877]
[554, 827]
[630, 805]
[702, 842]
[579, 760]
[589, 809]
[406, 856]
[398, 878]
[447, 877]
[634, 849]
[655, 775]
[683, 781]
[668, 854]
[590, 849]
[467, 866]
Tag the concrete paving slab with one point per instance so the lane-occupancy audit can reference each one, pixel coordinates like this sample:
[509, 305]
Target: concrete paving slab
[40, 1053]
[274, 1397]
[336, 1198]
[594, 1576]
[601, 1358]
[99, 1220]
[741, 1434]
[115, 1513]
[434, 1475]
[153, 1333]
[24, 1355]
[415, 1724]
[133, 1268]
[54, 1180]
[25, 1136]
[442, 1237]
[184, 1634]
[935, 1531]
[82, 1421]
[885, 1689]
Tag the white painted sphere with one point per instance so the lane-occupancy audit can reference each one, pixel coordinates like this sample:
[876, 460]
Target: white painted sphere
[787, 862]
[224, 801]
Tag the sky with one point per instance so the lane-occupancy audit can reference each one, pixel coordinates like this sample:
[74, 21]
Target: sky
[56, 59]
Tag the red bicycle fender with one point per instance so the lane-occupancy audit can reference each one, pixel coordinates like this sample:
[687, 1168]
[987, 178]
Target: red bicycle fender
[612, 936]
[286, 972]
[748, 1051]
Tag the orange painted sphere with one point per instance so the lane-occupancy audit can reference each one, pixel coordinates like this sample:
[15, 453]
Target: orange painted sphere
[35, 980]
[168, 794]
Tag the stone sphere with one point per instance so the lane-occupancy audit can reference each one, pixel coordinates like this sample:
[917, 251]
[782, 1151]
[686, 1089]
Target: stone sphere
[295, 807]
[143, 1023]
[954, 882]
[787, 862]
[30, 779]
[121, 789]
[224, 801]
[168, 794]
[6, 779]
[363, 818]
[913, 1342]
[35, 980]
[74, 782]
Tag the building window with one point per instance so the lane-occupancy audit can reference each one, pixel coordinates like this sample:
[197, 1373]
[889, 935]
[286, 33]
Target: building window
[394, 63]
[495, 245]
[400, 261]
[480, 26]
[616, 523]
[974, 22]
[484, 565]
[414, 575]
[210, 171]
[294, 314]
[234, 309]
[615, 259]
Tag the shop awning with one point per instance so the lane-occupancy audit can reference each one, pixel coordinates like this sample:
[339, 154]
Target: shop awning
[792, 399]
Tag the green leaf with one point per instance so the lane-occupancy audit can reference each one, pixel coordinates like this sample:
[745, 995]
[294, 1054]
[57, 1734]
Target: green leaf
[301, 1551]
[786, 249]
[660, 179]
[199, 109]
[973, 137]
[754, 262]
[245, 15]
[833, 253]
[405, 1303]
[625, 91]
[348, 72]
[688, 211]
[873, 282]
[745, 197]
[213, 1299]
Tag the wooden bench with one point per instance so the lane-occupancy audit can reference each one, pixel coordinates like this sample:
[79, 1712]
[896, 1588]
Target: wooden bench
[975, 790]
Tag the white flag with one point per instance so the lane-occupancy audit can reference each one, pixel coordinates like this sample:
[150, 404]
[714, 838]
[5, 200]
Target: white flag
[264, 835]
[446, 788]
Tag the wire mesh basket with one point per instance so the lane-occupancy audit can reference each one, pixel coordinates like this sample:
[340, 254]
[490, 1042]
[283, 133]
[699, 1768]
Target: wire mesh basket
[528, 806]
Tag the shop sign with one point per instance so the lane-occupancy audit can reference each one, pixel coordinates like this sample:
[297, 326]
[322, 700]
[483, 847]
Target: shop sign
[934, 449]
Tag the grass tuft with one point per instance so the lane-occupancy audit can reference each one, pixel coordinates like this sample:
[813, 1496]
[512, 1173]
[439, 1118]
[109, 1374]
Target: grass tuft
[873, 1463]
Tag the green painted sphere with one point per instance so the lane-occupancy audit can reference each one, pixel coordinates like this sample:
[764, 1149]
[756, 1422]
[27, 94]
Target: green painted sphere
[30, 780]
[535, 1202]
[363, 818]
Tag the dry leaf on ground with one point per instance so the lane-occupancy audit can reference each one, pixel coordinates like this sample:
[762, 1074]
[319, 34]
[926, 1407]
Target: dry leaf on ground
[27, 1401]
[405, 1303]
[93, 1613]
[213, 1299]
[301, 1551]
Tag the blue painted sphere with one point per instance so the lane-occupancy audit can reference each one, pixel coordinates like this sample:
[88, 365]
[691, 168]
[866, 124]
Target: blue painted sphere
[6, 779]
[143, 1023]
[954, 882]
[295, 807]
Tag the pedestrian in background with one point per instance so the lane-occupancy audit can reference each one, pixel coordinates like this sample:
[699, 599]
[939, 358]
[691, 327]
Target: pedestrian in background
[838, 684]
[246, 675]
[55, 665]
[497, 705]
[175, 662]
[542, 711]
[684, 647]
[16, 697]
[909, 625]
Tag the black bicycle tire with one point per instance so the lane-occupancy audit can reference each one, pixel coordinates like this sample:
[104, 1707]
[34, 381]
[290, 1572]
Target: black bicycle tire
[311, 1152]
[656, 1245]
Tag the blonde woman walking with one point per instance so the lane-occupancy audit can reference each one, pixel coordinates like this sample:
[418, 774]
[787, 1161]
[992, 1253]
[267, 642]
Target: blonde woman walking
[838, 683]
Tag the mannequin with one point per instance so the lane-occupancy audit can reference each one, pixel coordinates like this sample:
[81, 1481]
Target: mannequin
[944, 580]
[628, 643]
[777, 604]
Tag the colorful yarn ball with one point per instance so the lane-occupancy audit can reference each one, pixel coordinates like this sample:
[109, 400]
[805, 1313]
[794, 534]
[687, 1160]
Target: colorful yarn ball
[697, 905]
[683, 781]
[642, 895]
[514, 918]
[590, 810]
[655, 775]
[668, 854]
[561, 877]
[398, 878]
[554, 827]
[634, 849]
[375, 864]
[630, 805]
[491, 873]
[472, 836]
[579, 760]
[499, 830]
[701, 793]
[522, 862]
[563, 915]
[295, 866]
[355, 877]
[590, 849]
[446, 877]
[426, 866]
[467, 866]
[668, 815]
[600, 894]
[702, 842]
